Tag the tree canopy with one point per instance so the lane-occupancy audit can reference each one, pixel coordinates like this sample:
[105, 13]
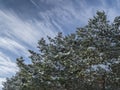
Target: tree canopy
[88, 59]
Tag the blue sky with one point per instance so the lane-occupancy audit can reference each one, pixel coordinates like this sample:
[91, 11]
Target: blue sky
[24, 22]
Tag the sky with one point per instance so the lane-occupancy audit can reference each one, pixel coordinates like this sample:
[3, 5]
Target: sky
[24, 22]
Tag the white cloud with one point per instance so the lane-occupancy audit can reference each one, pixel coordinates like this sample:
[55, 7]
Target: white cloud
[67, 12]
[34, 3]
[26, 31]
[12, 46]
[6, 65]
[1, 81]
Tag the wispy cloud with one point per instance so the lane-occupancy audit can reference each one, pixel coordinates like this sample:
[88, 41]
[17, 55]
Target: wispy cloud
[26, 31]
[71, 14]
[12, 46]
[34, 3]
[6, 65]
[1, 81]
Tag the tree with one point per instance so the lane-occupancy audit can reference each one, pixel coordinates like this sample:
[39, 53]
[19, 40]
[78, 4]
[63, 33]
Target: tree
[86, 60]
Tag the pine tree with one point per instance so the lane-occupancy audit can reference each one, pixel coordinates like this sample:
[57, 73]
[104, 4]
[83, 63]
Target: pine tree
[86, 60]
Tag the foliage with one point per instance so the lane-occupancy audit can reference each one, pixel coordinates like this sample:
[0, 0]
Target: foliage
[86, 60]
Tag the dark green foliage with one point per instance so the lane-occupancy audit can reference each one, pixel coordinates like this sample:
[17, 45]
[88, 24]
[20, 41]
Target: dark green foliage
[86, 60]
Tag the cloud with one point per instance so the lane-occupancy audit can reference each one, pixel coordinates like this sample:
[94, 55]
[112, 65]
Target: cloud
[6, 65]
[34, 3]
[1, 81]
[7, 68]
[26, 31]
[71, 14]
[12, 46]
